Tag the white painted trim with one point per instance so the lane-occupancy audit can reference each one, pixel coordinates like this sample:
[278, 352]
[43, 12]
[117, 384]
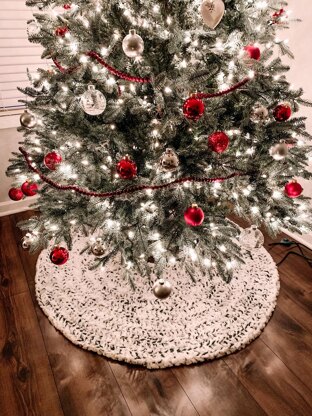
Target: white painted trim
[12, 207]
[10, 119]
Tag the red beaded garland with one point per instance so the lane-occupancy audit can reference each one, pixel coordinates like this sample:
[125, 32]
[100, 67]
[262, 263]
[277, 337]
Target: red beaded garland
[282, 112]
[59, 255]
[253, 52]
[29, 188]
[193, 108]
[194, 216]
[52, 160]
[61, 31]
[16, 194]
[218, 142]
[126, 168]
[293, 189]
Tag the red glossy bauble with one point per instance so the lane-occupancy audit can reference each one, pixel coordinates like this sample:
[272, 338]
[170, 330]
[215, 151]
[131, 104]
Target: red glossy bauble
[282, 112]
[59, 255]
[52, 160]
[194, 216]
[67, 6]
[193, 108]
[126, 168]
[61, 31]
[29, 188]
[253, 52]
[218, 142]
[16, 194]
[293, 189]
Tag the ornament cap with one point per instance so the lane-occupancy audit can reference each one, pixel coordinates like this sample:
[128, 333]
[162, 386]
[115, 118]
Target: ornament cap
[194, 206]
[132, 32]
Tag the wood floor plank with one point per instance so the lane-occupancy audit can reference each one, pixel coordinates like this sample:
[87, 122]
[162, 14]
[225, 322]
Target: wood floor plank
[85, 382]
[292, 343]
[215, 391]
[270, 382]
[27, 385]
[12, 278]
[156, 393]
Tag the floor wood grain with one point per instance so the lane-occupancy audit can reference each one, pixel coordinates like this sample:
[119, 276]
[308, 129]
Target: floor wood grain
[43, 374]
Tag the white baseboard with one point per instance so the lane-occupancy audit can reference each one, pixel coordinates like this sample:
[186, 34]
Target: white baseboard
[13, 207]
[305, 239]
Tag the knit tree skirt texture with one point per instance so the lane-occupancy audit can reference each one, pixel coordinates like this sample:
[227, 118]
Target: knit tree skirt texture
[99, 311]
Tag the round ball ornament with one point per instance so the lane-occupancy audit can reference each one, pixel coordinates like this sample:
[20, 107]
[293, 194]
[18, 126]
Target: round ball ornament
[218, 142]
[93, 101]
[61, 31]
[29, 188]
[28, 120]
[133, 45]
[282, 112]
[253, 52]
[212, 12]
[194, 216]
[193, 108]
[259, 114]
[162, 289]
[126, 168]
[251, 238]
[169, 160]
[293, 189]
[98, 248]
[67, 6]
[59, 256]
[279, 151]
[16, 194]
[52, 160]
[26, 241]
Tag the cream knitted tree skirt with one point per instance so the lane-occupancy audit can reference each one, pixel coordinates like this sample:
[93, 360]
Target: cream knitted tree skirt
[200, 321]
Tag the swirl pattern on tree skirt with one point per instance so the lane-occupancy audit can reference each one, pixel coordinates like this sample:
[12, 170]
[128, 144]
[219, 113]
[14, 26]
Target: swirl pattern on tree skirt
[200, 321]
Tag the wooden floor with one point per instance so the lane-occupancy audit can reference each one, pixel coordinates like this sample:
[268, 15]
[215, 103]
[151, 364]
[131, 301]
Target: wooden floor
[43, 374]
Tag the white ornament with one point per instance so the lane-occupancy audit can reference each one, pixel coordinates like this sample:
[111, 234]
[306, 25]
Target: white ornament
[212, 12]
[251, 238]
[133, 44]
[93, 101]
[169, 160]
[279, 151]
[259, 114]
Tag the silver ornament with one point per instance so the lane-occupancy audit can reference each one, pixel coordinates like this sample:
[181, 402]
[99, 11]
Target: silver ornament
[98, 248]
[212, 12]
[93, 101]
[251, 238]
[162, 289]
[133, 44]
[28, 120]
[169, 160]
[279, 151]
[26, 241]
[259, 114]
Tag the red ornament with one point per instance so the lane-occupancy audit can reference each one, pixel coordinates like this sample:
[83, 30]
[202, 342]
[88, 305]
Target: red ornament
[193, 108]
[218, 142]
[253, 52]
[67, 6]
[126, 168]
[293, 189]
[16, 194]
[194, 216]
[52, 160]
[277, 15]
[59, 255]
[61, 31]
[29, 188]
[282, 112]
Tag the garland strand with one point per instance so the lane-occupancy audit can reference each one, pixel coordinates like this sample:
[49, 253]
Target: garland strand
[234, 87]
[127, 191]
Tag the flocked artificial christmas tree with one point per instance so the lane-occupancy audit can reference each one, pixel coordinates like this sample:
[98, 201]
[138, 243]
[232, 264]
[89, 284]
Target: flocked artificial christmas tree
[156, 121]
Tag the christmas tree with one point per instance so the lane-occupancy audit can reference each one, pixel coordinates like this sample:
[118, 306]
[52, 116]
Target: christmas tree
[156, 122]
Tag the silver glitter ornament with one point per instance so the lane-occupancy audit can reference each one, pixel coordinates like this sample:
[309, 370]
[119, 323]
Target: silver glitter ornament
[259, 114]
[93, 101]
[28, 120]
[133, 44]
[26, 241]
[251, 238]
[98, 248]
[279, 151]
[169, 160]
[212, 12]
[162, 289]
